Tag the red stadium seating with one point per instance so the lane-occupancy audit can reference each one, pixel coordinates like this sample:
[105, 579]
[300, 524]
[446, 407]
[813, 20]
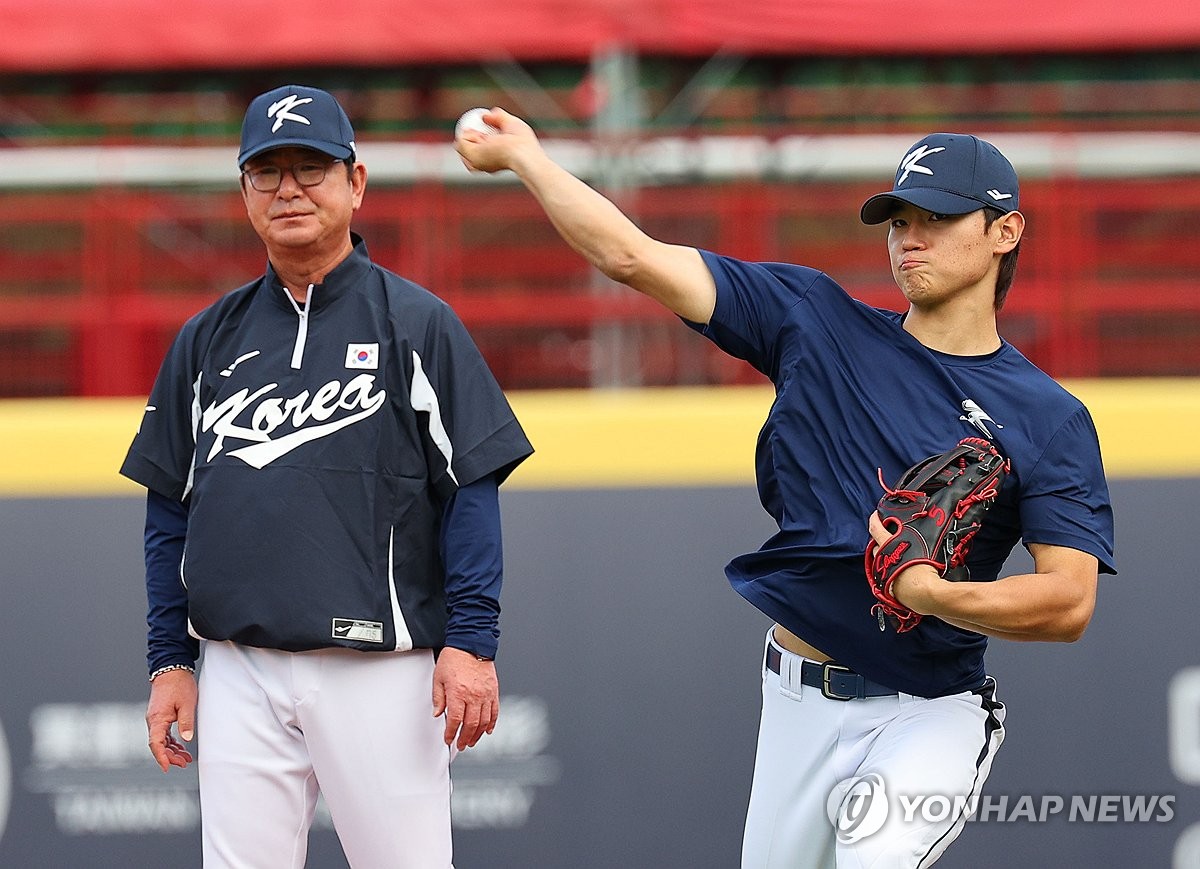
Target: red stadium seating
[94, 284]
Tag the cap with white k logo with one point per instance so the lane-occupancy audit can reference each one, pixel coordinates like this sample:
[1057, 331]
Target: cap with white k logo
[948, 173]
[296, 117]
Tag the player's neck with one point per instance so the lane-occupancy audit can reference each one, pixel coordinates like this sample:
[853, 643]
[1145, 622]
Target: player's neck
[960, 330]
[298, 269]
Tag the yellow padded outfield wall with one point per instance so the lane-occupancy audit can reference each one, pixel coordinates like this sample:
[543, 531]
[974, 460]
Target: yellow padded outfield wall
[596, 438]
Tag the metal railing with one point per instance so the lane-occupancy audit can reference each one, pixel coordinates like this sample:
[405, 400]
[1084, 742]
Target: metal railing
[94, 281]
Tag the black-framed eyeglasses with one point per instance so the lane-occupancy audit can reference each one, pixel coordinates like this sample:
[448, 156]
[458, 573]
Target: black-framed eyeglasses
[308, 173]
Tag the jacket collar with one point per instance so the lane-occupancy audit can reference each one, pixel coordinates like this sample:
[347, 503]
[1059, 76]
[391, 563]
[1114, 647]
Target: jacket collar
[345, 277]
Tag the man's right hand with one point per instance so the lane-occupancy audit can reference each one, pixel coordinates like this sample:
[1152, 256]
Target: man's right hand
[673, 275]
[493, 152]
[172, 700]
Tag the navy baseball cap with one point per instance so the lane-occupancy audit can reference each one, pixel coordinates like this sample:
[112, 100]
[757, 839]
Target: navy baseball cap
[296, 116]
[948, 173]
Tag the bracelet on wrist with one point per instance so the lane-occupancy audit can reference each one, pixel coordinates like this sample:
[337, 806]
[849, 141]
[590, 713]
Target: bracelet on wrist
[169, 668]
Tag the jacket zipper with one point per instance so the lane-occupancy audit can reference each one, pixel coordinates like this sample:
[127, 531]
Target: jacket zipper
[302, 328]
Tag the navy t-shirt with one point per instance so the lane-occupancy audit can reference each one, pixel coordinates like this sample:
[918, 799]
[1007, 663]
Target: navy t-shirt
[856, 393]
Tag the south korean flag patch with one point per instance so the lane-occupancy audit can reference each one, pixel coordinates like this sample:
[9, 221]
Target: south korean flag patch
[362, 356]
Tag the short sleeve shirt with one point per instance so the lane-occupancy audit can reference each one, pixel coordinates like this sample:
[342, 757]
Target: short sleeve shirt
[856, 395]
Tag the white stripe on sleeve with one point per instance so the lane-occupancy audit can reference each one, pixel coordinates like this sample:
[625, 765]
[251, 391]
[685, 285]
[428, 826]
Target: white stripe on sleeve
[196, 417]
[423, 399]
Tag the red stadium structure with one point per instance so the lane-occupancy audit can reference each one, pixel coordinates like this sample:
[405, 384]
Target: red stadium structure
[203, 34]
[710, 121]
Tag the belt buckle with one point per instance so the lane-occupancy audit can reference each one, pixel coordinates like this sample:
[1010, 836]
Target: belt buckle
[826, 691]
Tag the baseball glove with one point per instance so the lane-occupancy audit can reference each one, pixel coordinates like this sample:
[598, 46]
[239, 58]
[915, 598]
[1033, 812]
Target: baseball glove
[932, 513]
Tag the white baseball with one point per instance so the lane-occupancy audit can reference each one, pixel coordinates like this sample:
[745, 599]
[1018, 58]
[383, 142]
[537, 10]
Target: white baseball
[472, 119]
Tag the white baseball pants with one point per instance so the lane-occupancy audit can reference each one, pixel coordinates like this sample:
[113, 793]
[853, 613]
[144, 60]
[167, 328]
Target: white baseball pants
[274, 728]
[933, 753]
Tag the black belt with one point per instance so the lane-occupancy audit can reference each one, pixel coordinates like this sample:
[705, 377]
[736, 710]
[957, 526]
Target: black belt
[835, 681]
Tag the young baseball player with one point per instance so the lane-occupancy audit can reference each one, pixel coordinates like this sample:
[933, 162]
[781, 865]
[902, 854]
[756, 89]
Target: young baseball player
[856, 715]
[322, 450]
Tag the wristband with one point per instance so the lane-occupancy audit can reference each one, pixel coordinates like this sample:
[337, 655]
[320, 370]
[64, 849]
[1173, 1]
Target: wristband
[171, 667]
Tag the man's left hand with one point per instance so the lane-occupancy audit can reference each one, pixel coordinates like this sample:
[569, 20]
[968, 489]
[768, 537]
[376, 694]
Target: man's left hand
[467, 691]
[916, 585]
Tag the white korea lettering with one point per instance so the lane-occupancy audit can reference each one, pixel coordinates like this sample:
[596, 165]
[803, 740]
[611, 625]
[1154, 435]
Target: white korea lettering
[271, 413]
